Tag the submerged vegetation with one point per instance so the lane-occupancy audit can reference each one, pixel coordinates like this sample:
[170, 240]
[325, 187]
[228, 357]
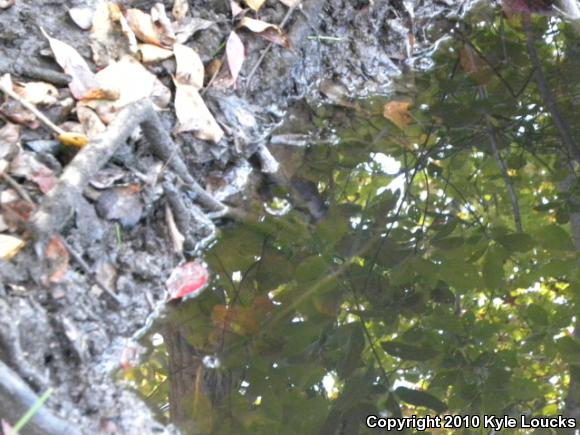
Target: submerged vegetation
[431, 268]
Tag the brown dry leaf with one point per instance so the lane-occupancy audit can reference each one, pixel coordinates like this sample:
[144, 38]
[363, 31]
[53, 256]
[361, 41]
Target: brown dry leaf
[398, 113]
[239, 320]
[163, 25]
[25, 165]
[143, 26]
[188, 27]
[235, 54]
[189, 70]
[9, 136]
[149, 53]
[10, 246]
[111, 36]
[255, 5]
[82, 17]
[83, 79]
[180, 9]
[266, 30]
[193, 115]
[122, 204]
[37, 92]
[177, 238]
[57, 257]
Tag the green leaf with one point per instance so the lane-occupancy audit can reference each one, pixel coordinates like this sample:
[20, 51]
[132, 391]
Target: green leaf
[493, 272]
[420, 398]
[554, 237]
[448, 243]
[407, 351]
[537, 315]
[569, 348]
[517, 242]
[354, 348]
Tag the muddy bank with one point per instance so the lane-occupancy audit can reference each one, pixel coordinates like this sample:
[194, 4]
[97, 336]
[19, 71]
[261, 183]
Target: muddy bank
[70, 335]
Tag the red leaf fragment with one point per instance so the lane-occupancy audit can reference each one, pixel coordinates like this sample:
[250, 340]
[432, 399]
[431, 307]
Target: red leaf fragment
[188, 280]
[58, 259]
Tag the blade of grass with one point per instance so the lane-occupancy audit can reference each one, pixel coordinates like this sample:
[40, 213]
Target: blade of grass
[31, 411]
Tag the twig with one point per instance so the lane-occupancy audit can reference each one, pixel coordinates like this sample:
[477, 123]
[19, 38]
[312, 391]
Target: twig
[44, 74]
[41, 117]
[18, 188]
[59, 203]
[269, 46]
[89, 272]
[503, 169]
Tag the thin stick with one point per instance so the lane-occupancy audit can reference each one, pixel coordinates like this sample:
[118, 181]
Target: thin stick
[18, 188]
[269, 46]
[47, 122]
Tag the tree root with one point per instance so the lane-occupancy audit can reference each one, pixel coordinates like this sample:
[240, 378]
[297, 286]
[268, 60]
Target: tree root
[58, 205]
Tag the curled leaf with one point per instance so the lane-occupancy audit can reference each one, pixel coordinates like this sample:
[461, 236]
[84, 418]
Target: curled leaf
[163, 25]
[268, 31]
[180, 9]
[143, 26]
[149, 53]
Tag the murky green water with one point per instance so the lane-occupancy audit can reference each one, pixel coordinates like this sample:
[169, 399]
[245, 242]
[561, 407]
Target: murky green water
[415, 257]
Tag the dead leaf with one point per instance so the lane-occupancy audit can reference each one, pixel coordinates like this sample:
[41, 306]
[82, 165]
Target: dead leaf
[188, 280]
[149, 53]
[25, 165]
[290, 3]
[239, 320]
[111, 36]
[121, 203]
[189, 70]
[143, 26]
[188, 27]
[255, 5]
[82, 17]
[9, 136]
[82, 78]
[398, 113]
[163, 25]
[10, 246]
[5, 4]
[180, 9]
[193, 115]
[15, 211]
[266, 30]
[57, 257]
[77, 140]
[235, 54]
[177, 238]
[92, 124]
[474, 65]
[37, 92]
[236, 8]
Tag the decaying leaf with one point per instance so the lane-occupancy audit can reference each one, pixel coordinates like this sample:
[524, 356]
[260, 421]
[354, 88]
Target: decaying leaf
[5, 4]
[82, 78]
[10, 246]
[235, 54]
[111, 36]
[163, 25]
[188, 280]
[266, 30]
[149, 53]
[146, 29]
[474, 65]
[236, 8]
[13, 111]
[186, 28]
[398, 113]
[25, 165]
[180, 9]
[239, 320]
[73, 139]
[82, 17]
[37, 92]
[122, 204]
[15, 211]
[57, 257]
[189, 70]
[9, 136]
[193, 115]
[92, 124]
[255, 5]
[177, 238]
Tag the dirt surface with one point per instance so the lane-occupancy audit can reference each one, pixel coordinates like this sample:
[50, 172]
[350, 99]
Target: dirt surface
[70, 335]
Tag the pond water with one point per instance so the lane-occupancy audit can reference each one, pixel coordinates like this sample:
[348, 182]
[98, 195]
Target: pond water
[412, 255]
